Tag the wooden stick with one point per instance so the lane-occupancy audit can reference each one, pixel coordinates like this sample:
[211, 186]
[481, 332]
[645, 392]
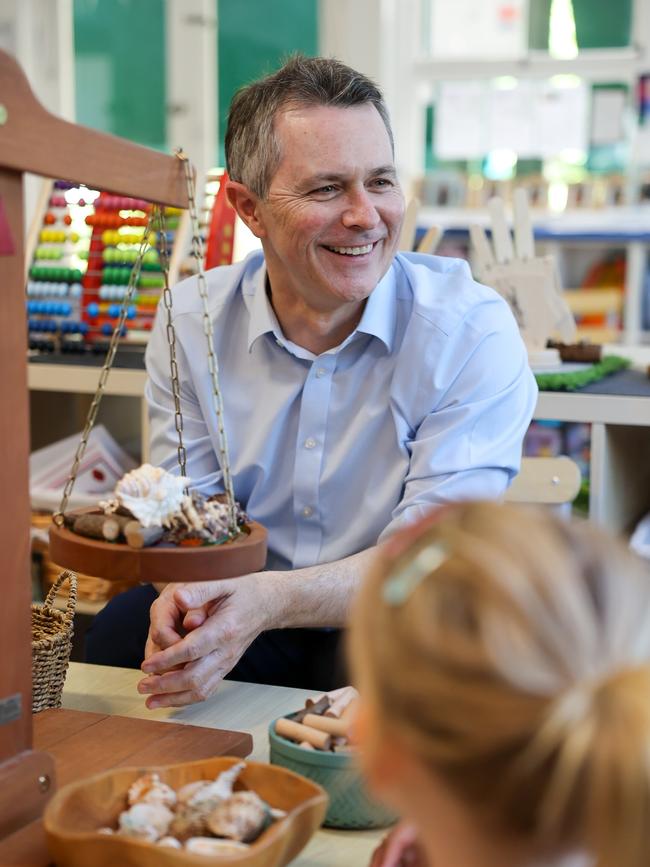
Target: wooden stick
[89, 525]
[114, 526]
[328, 724]
[293, 731]
[317, 707]
[138, 536]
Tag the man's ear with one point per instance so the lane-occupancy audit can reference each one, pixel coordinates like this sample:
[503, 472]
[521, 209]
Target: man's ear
[245, 202]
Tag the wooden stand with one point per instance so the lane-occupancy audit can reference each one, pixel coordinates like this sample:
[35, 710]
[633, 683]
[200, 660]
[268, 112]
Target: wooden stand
[33, 140]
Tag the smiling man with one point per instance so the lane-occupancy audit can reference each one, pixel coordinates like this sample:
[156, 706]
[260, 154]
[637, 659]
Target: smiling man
[361, 387]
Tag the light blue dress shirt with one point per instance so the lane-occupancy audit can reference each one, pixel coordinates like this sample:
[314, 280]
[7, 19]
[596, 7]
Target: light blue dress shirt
[426, 402]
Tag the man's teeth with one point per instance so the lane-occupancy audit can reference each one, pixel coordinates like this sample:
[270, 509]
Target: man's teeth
[351, 251]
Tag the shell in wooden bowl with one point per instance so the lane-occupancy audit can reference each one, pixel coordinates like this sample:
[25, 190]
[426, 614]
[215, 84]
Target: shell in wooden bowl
[76, 813]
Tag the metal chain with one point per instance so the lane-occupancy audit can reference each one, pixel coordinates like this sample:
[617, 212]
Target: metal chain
[213, 366]
[171, 340]
[103, 376]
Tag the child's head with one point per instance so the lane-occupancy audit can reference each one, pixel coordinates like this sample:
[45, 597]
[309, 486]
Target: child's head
[507, 653]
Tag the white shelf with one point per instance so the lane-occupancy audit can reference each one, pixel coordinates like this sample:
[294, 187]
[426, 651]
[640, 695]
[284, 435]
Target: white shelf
[615, 64]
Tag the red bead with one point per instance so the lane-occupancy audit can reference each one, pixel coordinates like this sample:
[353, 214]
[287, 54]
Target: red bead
[49, 219]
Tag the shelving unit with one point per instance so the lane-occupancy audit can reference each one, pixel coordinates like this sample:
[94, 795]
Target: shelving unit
[625, 227]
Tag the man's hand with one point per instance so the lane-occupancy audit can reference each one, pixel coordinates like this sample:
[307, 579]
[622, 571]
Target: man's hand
[197, 635]
[400, 848]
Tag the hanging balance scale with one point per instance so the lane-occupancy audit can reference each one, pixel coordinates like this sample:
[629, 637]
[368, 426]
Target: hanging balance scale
[242, 548]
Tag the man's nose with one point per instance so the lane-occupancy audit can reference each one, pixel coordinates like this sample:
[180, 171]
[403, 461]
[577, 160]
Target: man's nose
[360, 211]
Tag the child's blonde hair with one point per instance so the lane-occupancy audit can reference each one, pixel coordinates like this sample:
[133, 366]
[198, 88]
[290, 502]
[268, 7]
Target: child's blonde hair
[511, 651]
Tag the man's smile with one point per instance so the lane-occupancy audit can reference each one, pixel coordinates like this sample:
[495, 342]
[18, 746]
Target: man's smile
[362, 250]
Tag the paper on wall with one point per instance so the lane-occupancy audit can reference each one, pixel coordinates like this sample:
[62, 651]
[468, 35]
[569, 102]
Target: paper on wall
[461, 129]
[479, 29]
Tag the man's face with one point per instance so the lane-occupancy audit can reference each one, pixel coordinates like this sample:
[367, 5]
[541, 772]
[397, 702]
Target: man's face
[331, 222]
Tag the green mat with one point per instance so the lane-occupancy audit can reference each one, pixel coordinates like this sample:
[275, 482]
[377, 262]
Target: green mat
[579, 378]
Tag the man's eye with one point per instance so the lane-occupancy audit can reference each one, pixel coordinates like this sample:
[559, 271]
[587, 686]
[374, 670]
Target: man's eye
[329, 188]
[382, 182]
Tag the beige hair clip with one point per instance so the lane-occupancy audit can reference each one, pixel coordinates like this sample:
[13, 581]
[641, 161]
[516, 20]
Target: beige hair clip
[399, 586]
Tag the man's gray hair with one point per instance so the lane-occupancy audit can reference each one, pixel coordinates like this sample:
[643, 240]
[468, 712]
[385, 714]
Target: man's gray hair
[252, 150]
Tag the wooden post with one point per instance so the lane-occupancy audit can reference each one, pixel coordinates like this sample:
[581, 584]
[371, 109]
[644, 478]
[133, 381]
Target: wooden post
[31, 139]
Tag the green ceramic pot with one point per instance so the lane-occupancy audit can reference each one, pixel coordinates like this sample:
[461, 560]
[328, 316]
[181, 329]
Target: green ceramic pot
[337, 773]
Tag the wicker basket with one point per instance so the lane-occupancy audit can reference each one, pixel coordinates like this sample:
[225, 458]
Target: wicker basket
[51, 645]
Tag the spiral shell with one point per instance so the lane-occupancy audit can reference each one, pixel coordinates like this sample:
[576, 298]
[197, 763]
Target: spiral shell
[151, 494]
[188, 822]
[150, 789]
[145, 821]
[242, 817]
[209, 794]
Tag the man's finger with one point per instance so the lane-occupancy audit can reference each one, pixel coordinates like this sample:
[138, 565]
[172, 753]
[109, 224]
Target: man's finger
[200, 593]
[195, 682]
[194, 646]
[194, 618]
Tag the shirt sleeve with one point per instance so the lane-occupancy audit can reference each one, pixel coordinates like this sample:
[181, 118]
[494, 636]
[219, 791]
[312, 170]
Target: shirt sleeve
[201, 461]
[469, 446]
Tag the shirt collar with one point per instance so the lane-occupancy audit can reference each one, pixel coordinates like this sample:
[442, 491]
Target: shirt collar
[262, 318]
[377, 320]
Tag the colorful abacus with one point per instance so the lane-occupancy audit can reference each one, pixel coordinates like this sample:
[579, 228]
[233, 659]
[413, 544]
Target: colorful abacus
[54, 284]
[80, 271]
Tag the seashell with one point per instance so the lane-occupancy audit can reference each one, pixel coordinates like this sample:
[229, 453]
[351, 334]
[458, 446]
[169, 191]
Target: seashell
[242, 817]
[185, 793]
[210, 846]
[145, 821]
[170, 843]
[188, 822]
[151, 494]
[150, 789]
[212, 793]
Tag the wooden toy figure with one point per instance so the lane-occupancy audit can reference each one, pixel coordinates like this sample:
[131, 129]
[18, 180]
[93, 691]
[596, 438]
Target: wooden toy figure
[529, 283]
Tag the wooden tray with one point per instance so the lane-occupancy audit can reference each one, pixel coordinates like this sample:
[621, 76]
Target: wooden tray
[83, 743]
[115, 561]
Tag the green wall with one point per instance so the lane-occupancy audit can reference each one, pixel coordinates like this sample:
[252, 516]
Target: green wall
[119, 58]
[120, 79]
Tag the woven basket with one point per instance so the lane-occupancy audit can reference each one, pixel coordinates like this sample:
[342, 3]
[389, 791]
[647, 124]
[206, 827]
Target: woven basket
[51, 645]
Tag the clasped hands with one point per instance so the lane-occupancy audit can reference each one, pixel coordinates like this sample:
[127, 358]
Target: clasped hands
[198, 633]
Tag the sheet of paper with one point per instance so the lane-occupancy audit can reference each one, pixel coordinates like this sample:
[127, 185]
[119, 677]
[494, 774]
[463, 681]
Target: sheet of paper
[461, 129]
[511, 119]
[607, 116]
[561, 118]
[479, 29]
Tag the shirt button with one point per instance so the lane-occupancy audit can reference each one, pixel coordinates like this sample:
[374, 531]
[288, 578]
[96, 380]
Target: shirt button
[279, 342]
[310, 443]
[307, 511]
[321, 372]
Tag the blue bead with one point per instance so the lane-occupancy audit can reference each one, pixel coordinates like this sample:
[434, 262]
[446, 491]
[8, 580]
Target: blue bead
[93, 309]
[106, 328]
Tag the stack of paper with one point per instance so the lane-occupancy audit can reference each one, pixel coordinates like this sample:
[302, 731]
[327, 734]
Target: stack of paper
[103, 464]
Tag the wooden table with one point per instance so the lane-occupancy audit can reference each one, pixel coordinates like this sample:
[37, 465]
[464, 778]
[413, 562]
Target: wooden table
[239, 706]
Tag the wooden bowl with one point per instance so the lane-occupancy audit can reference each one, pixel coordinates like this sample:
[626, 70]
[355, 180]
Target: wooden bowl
[116, 561]
[74, 815]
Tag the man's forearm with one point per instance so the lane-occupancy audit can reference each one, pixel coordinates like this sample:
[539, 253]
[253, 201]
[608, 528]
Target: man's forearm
[316, 595]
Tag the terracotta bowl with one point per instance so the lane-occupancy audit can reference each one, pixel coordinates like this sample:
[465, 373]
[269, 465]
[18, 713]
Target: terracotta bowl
[75, 814]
